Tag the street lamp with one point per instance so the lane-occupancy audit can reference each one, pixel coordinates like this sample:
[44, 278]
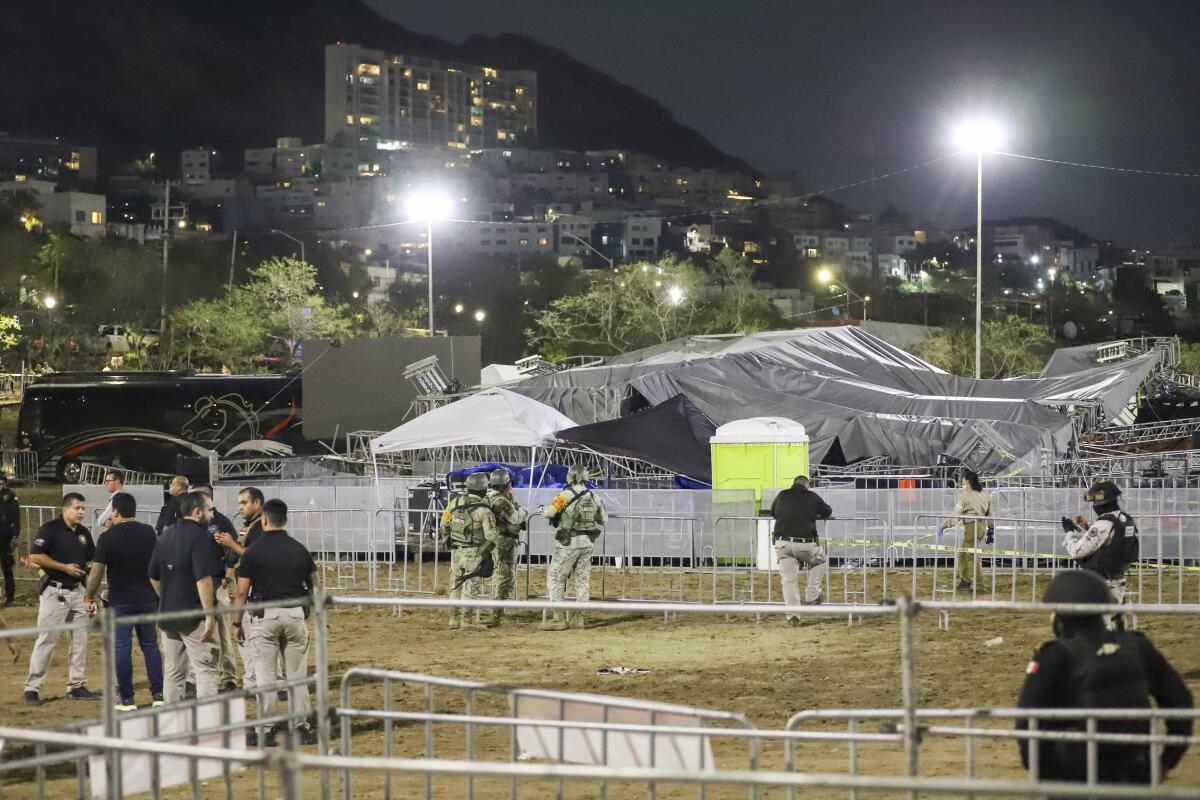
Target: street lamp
[480, 315]
[50, 302]
[294, 239]
[980, 136]
[824, 275]
[675, 295]
[429, 206]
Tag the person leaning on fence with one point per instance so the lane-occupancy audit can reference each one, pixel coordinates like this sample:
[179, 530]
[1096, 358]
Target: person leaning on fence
[1087, 666]
[181, 572]
[578, 516]
[973, 512]
[277, 568]
[471, 527]
[124, 552]
[1109, 545]
[10, 530]
[510, 519]
[62, 550]
[796, 511]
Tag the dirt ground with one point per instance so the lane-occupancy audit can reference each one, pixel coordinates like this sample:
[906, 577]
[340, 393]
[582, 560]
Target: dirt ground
[762, 669]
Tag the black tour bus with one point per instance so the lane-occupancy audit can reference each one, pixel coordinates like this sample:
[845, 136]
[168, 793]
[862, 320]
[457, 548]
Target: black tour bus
[143, 421]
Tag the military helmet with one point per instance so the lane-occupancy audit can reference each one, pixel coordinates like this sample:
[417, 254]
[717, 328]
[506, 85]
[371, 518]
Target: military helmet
[477, 483]
[499, 479]
[1077, 586]
[577, 474]
[1101, 492]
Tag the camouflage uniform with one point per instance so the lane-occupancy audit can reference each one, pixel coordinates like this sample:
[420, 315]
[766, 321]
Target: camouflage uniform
[509, 519]
[578, 527]
[478, 528]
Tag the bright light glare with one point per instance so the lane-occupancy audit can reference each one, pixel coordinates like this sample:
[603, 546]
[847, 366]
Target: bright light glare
[50, 301]
[1035, 259]
[458, 308]
[480, 315]
[675, 295]
[427, 206]
[824, 276]
[977, 135]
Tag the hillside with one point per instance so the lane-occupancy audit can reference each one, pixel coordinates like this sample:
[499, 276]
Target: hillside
[137, 75]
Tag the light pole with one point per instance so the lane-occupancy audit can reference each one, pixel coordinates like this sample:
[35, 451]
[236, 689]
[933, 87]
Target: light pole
[825, 276]
[980, 136]
[294, 239]
[925, 297]
[429, 206]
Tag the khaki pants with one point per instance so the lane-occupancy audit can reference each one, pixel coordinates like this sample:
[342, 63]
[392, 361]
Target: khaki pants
[791, 555]
[179, 650]
[276, 629]
[250, 660]
[227, 667]
[55, 607]
[972, 532]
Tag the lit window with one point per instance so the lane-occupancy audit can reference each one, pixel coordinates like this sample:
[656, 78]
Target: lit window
[368, 69]
[349, 119]
[488, 72]
[501, 134]
[422, 86]
[366, 120]
[97, 218]
[524, 243]
[519, 91]
[543, 241]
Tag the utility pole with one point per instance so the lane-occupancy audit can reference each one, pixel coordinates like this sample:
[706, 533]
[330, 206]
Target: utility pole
[166, 247]
[232, 256]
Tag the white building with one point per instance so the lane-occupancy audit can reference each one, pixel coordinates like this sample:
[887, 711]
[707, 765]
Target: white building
[372, 96]
[83, 212]
[196, 164]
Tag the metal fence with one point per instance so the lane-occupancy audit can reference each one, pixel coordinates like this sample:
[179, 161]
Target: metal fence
[571, 737]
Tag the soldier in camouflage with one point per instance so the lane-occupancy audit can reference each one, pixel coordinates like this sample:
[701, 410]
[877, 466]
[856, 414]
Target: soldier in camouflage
[510, 519]
[580, 515]
[470, 525]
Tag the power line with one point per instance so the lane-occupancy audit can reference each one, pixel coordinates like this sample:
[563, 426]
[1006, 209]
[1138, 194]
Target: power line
[1104, 167]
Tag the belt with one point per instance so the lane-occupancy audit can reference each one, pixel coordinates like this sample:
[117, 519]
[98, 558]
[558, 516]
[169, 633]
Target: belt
[796, 538]
[60, 585]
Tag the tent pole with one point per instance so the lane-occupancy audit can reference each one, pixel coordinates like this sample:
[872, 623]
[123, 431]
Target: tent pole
[375, 468]
[532, 467]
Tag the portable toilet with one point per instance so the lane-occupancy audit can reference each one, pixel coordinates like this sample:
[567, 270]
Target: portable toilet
[758, 453]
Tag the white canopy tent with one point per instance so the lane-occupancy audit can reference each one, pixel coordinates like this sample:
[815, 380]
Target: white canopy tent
[493, 417]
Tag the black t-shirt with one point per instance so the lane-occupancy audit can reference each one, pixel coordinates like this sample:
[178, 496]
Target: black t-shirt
[126, 548]
[220, 524]
[253, 531]
[64, 545]
[796, 512]
[278, 567]
[182, 556]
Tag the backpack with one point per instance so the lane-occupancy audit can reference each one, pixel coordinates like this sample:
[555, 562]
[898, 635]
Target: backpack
[464, 532]
[582, 513]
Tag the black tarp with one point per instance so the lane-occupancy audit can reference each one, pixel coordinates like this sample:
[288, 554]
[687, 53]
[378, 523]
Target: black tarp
[672, 435]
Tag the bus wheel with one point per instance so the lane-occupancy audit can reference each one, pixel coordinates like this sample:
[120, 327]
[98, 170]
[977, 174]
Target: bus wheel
[69, 470]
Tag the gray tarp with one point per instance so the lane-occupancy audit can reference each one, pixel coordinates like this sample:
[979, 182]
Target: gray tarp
[844, 384]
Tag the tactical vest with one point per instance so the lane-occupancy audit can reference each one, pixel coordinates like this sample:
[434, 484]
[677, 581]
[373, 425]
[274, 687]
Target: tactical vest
[465, 531]
[1108, 673]
[581, 514]
[1121, 550]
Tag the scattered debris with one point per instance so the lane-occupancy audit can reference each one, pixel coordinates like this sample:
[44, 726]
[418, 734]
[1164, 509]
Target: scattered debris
[993, 642]
[622, 671]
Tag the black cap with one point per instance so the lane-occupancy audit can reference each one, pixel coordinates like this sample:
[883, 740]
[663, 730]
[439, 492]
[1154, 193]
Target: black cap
[1077, 586]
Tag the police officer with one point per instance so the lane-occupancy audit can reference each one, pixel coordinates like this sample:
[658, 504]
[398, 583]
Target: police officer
[10, 529]
[1087, 666]
[470, 525]
[277, 568]
[796, 511]
[510, 519]
[63, 548]
[1109, 545]
[578, 514]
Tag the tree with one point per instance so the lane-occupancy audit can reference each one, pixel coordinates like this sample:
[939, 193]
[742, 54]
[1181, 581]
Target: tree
[1010, 346]
[280, 306]
[649, 303]
[285, 292]
[1189, 358]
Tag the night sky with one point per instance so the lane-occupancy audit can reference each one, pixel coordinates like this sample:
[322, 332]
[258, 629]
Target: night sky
[836, 90]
